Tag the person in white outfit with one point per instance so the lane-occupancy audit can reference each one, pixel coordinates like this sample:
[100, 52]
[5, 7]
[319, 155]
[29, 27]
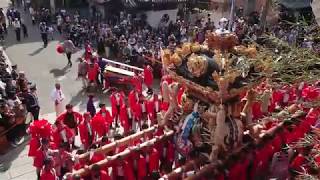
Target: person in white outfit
[58, 97]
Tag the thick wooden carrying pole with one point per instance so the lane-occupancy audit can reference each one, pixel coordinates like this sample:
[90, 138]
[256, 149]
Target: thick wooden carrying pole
[177, 173]
[118, 157]
[121, 142]
[210, 168]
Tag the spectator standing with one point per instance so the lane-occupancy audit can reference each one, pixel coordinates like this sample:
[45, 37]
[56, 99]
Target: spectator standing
[44, 33]
[82, 72]
[32, 102]
[58, 97]
[3, 21]
[17, 28]
[32, 14]
[24, 30]
[69, 49]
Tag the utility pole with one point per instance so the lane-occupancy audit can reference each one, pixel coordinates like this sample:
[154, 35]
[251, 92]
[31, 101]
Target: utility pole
[231, 19]
[52, 6]
[264, 14]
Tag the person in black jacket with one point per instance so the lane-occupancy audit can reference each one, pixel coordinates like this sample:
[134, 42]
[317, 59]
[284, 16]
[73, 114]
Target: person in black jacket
[32, 102]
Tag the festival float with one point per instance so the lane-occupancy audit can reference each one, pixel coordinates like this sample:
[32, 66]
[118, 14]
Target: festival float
[216, 77]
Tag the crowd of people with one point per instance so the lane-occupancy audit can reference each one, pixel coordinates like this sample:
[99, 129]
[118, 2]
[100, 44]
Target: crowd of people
[129, 41]
[53, 150]
[18, 98]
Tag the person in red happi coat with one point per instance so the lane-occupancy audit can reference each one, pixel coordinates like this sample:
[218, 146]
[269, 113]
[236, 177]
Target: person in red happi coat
[116, 99]
[96, 157]
[151, 111]
[148, 77]
[124, 119]
[41, 154]
[128, 170]
[86, 132]
[88, 52]
[48, 172]
[93, 71]
[170, 154]
[137, 82]
[34, 144]
[142, 166]
[70, 118]
[235, 170]
[105, 113]
[154, 160]
[101, 121]
[97, 173]
[62, 134]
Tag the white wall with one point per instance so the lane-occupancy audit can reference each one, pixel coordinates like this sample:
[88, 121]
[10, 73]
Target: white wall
[153, 17]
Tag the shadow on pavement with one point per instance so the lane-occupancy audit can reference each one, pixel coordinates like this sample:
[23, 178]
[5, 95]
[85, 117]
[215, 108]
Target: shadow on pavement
[60, 72]
[36, 51]
[12, 154]
[78, 98]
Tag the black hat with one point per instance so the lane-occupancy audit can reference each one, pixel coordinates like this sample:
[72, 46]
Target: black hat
[69, 106]
[101, 105]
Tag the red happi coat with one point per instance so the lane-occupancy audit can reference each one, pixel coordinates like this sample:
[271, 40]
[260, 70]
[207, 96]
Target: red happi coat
[96, 157]
[124, 118]
[235, 172]
[154, 160]
[137, 111]
[159, 145]
[100, 124]
[114, 103]
[34, 144]
[84, 133]
[150, 108]
[77, 117]
[239, 170]
[148, 76]
[128, 170]
[57, 135]
[104, 175]
[170, 154]
[256, 110]
[142, 166]
[298, 163]
[39, 158]
[48, 175]
[137, 84]
[93, 71]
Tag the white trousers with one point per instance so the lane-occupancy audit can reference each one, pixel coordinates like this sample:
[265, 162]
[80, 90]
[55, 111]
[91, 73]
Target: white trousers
[59, 109]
